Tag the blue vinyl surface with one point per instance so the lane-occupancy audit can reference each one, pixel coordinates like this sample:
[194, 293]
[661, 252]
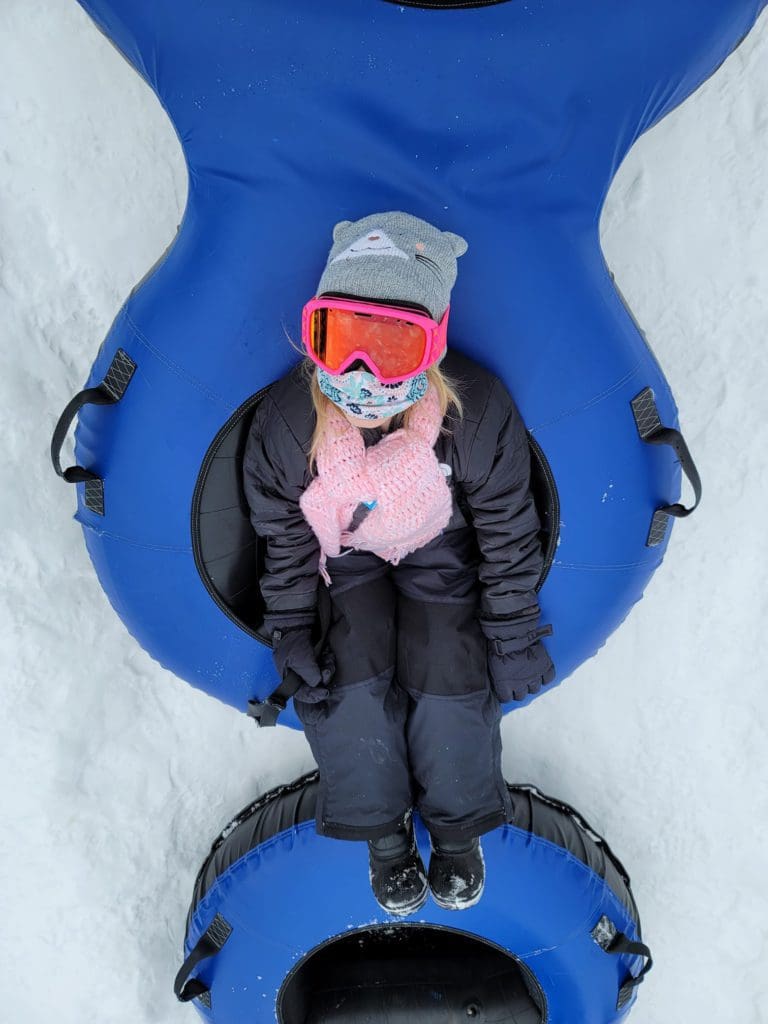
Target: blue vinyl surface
[290, 894]
[503, 123]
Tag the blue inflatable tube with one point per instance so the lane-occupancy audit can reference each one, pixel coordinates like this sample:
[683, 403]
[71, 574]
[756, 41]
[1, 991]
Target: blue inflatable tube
[504, 122]
[283, 926]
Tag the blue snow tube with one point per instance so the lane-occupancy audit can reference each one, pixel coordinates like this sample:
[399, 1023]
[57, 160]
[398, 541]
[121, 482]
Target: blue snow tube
[504, 122]
[283, 926]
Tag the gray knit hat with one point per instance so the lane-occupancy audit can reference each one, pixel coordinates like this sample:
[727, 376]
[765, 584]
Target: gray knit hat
[393, 257]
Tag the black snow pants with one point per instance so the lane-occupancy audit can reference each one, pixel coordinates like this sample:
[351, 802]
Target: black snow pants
[411, 720]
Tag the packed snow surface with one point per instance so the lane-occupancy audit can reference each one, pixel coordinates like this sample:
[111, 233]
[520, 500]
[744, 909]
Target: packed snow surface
[117, 776]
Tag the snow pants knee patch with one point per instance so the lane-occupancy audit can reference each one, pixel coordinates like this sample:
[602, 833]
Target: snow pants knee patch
[440, 647]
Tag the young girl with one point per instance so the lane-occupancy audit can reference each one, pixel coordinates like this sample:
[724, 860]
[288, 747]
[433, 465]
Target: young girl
[397, 474]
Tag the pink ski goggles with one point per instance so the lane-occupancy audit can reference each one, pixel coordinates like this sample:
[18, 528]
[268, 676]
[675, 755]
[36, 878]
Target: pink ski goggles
[396, 343]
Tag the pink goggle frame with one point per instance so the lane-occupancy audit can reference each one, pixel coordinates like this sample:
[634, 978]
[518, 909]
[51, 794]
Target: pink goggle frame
[396, 343]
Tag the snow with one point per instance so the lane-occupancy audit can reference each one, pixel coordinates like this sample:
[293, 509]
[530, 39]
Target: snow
[117, 776]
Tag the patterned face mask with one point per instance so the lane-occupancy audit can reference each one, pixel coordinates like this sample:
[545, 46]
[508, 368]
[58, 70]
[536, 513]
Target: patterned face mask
[363, 396]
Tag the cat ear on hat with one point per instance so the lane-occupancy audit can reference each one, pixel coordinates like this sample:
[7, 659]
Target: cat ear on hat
[458, 244]
[338, 228]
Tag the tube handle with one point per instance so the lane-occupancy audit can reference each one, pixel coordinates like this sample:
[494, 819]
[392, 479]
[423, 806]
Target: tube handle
[652, 431]
[108, 392]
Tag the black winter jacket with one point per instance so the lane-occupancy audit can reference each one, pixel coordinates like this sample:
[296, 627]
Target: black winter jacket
[487, 451]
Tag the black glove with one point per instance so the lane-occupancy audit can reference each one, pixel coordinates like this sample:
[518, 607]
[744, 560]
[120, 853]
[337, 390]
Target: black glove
[292, 652]
[518, 663]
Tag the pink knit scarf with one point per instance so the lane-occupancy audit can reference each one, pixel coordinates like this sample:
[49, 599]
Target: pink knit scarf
[399, 477]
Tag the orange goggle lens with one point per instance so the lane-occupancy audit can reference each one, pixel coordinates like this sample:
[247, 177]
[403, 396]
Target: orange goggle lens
[396, 346]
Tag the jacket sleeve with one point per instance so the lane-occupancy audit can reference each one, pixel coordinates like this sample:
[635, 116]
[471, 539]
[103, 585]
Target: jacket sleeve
[274, 470]
[497, 490]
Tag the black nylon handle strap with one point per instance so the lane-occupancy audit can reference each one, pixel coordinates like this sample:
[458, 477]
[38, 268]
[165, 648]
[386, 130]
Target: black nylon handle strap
[611, 940]
[266, 712]
[672, 437]
[209, 944]
[651, 430]
[108, 392]
[95, 396]
[621, 944]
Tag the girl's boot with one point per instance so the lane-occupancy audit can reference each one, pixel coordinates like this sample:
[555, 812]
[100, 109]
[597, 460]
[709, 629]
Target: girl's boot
[456, 873]
[397, 874]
